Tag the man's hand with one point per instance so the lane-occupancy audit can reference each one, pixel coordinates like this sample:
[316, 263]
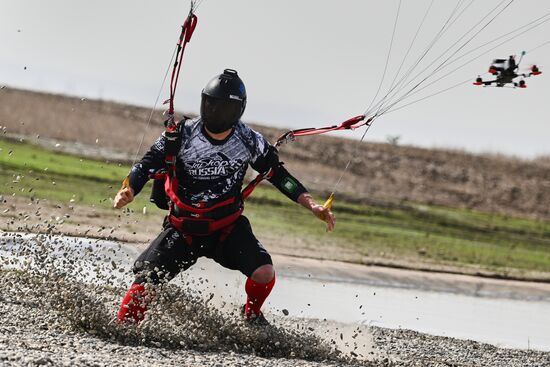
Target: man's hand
[324, 214]
[123, 197]
[319, 211]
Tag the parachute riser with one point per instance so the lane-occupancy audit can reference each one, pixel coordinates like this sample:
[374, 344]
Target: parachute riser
[187, 30]
[349, 124]
[171, 126]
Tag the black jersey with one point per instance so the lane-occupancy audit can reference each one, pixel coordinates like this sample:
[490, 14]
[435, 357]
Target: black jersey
[211, 170]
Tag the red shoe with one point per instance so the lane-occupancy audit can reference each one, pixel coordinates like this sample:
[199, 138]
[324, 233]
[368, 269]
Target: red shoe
[253, 319]
[133, 306]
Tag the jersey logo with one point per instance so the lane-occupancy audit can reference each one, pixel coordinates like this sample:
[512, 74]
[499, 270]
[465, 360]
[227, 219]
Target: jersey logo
[214, 167]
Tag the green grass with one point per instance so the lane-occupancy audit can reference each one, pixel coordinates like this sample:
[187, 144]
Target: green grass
[427, 234]
[412, 232]
[30, 171]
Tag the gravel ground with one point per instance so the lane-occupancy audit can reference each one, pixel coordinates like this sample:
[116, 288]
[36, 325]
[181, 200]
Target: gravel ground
[49, 316]
[416, 349]
[27, 339]
[70, 324]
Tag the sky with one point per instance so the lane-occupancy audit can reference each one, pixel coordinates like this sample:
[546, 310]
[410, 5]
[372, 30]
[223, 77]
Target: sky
[305, 63]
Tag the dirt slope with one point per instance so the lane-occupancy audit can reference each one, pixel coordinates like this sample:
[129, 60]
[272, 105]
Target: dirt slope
[380, 172]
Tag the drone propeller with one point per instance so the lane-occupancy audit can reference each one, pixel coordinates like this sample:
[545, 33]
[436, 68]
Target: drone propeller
[535, 70]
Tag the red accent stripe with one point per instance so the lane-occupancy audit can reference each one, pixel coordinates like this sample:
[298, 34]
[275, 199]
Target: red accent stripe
[351, 123]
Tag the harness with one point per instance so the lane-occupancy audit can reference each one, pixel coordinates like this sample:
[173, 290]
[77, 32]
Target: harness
[195, 218]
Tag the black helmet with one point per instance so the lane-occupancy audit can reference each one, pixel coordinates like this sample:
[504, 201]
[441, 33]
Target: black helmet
[223, 101]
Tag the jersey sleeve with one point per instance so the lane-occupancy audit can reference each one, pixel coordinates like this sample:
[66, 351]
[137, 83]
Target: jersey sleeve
[151, 162]
[260, 146]
[266, 157]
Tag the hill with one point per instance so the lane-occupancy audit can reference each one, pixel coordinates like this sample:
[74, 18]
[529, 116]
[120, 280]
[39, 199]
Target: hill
[380, 173]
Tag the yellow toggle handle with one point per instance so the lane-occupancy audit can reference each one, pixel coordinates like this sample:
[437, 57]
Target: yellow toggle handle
[326, 205]
[125, 183]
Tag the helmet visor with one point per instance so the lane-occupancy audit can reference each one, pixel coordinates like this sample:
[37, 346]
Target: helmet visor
[219, 114]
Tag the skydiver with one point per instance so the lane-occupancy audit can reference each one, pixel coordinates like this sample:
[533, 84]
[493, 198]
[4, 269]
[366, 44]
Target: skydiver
[216, 149]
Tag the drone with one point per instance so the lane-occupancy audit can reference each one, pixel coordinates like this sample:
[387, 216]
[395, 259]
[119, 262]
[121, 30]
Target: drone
[506, 72]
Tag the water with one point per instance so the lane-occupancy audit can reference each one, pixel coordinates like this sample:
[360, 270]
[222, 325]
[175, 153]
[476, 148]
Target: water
[502, 322]
[489, 317]
[499, 321]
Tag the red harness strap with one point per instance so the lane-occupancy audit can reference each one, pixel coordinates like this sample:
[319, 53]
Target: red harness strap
[254, 183]
[196, 220]
[197, 223]
[183, 224]
[171, 184]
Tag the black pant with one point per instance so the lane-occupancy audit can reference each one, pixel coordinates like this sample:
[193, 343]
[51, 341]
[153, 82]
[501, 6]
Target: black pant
[171, 253]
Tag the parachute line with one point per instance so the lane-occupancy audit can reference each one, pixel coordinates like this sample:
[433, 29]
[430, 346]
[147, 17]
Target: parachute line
[388, 56]
[477, 57]
[428, 96]
[154, 106]
[442, 65]
[354, 153]
[480, 55]
[449, 57]
[411, 45]
[446, 25]
[539, 46]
